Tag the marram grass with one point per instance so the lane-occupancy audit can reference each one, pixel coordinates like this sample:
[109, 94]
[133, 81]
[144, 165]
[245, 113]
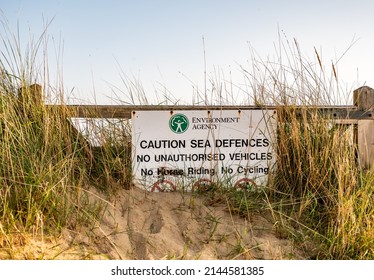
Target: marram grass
[46, 167]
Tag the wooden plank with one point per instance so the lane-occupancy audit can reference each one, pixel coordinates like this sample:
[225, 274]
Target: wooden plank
[346, 121]
[125, 111]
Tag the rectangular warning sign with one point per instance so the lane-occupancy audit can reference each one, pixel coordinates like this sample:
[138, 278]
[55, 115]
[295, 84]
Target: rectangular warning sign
[185, 149]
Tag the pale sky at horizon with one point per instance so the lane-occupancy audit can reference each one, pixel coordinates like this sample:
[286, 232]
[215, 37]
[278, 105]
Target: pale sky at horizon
[160, 42]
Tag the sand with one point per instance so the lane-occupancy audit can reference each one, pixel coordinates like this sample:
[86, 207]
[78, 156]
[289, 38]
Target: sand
[144, 225]
[140, 225]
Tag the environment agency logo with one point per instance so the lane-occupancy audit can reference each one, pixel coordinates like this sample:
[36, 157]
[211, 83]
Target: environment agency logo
[178, 123]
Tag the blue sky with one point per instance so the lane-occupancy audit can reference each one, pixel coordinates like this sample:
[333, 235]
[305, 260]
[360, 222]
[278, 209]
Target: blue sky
[160, 44]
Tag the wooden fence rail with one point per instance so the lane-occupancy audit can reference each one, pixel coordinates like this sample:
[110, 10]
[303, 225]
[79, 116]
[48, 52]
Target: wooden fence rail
[360, 115]
[124, 111]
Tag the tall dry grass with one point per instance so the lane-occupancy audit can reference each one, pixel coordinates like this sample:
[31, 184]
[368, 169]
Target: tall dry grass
[46, 166]
[318, 187]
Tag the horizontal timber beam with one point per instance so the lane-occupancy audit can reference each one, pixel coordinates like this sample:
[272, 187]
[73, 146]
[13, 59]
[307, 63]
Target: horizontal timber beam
[125, 111]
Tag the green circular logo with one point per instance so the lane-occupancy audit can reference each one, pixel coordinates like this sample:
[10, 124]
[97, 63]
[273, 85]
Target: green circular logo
[178, 123]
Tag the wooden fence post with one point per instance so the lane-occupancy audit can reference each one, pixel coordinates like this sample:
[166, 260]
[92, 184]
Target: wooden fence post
[363, 98]
[31, 94]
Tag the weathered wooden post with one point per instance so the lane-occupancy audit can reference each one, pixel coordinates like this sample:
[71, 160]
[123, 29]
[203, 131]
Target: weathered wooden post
[31, 95]
[363, 98]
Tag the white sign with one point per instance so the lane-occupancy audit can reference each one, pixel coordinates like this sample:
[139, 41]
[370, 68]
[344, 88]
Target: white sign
[188, 149]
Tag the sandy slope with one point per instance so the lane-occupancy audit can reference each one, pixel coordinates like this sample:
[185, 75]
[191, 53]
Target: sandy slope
[143, 225]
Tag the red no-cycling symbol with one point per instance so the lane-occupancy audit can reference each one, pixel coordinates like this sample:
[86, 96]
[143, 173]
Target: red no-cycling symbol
[168, 186]
[244, 183]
